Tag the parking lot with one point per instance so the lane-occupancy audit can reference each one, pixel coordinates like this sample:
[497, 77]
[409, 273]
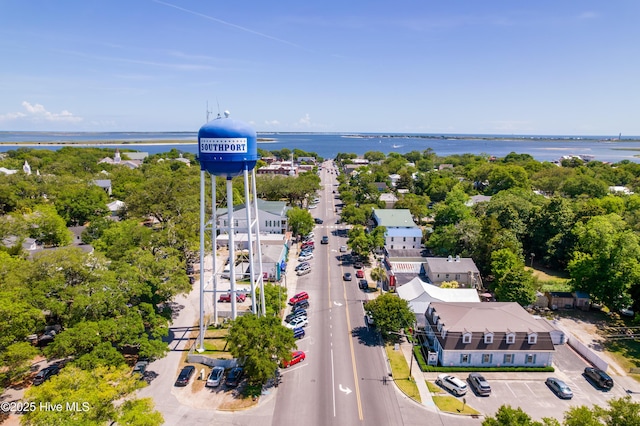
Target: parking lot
[529, 391]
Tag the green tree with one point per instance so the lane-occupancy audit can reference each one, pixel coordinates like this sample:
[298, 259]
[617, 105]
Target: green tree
[453, 209]
[416, 204]
[16, 361]
[605, 263]
[300, 221]
[508, 416]
[512, 281]
[390, 313]
[275, 298]
[103, 395]
[507, 176]
[48, 227]
[79, 202]
[261, 342]
[379, 275]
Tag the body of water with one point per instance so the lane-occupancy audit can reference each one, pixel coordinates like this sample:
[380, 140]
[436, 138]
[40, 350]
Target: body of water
[328, 145]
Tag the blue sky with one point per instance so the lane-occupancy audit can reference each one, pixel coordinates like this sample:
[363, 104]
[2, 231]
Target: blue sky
[491, 67]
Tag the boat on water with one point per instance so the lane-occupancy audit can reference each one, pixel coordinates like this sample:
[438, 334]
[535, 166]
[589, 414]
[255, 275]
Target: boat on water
[395, 145]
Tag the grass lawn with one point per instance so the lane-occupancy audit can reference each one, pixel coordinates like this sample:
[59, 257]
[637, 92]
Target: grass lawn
[453, 405]
[433, 388]
[400, 371]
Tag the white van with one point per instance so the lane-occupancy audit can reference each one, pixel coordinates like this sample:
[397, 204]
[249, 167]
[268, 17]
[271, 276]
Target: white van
[226, 273]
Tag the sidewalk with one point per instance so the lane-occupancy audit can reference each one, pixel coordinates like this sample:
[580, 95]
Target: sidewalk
[419, 376]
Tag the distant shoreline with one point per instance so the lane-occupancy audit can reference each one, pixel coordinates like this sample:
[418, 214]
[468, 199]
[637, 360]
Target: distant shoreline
[114, 142]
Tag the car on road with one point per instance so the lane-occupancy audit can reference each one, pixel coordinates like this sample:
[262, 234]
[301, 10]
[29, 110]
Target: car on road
[302, 265]
[234, 377]
[140, 367]
[452, 384]
[215, 377]
[479, 384]
[45, 374]
[559, 387]
[318, 220]
[324, 240]
[347, 276]
[343, 249]
[360, 273]
[313, 206]
[304, 257]
[358, 265]
[296, 357]
[299, 297]
[298, 322]
[301, 304]
[185, 375]
[627, 312]
[226, 297]
[363, 284]
[598, 377]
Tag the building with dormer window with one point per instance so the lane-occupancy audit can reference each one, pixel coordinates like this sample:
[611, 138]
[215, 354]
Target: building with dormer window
[487, 334]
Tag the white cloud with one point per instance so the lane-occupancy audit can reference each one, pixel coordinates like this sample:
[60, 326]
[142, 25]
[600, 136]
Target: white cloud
[305, 121]
[37, 112]
[272, 122]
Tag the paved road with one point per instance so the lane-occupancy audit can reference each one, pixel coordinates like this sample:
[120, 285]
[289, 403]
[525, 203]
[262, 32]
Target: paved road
[341, 380]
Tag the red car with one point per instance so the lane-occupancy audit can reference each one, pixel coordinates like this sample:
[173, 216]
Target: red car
[296, 357]
[299, 297]
[360, 273]
[226, 297]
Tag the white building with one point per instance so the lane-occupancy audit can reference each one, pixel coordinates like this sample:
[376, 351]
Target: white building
[487, 334]
[272, 217]
[420, 295]
[401, 232]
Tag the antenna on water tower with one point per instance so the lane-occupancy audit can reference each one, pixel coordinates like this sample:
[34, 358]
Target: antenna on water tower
[228, 148]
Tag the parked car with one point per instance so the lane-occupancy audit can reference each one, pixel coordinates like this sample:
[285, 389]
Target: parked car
[303, 271]
[302, 266]
[235, 377]
[185, 375]
[304, 257]
[360, 273]
[140, 367]
[318, 220]
[215, 377]
[559, 387]
[295, 314]
[452, 384]
[347, 276]
[479, 384]
[363, 284]
[343, 249]
[226, 297]
[299, 297]
[45, 374]
[296, 357]
[325, 240]
[298, 333]
[627, 312]
[598, 377]
[298, 322]
[301, 304]
[358, 265]
[306, 244]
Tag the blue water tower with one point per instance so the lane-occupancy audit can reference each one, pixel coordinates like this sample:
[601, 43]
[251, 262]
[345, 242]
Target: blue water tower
[227, 147]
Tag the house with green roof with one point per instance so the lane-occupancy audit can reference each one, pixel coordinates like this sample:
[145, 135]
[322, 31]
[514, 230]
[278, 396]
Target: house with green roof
[401, 231]
[272, 217]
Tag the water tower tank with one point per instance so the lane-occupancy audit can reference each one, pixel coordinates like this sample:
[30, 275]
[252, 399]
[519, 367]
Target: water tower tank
[227, 147]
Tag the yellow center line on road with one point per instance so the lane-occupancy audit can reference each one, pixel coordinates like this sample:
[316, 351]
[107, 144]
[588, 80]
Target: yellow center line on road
[350, 338]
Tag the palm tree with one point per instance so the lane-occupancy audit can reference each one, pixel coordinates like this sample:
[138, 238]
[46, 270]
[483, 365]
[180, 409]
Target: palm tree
[379, 274]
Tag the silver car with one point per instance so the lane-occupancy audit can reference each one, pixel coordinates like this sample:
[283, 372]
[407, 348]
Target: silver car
[559, 387]
[215, 377]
